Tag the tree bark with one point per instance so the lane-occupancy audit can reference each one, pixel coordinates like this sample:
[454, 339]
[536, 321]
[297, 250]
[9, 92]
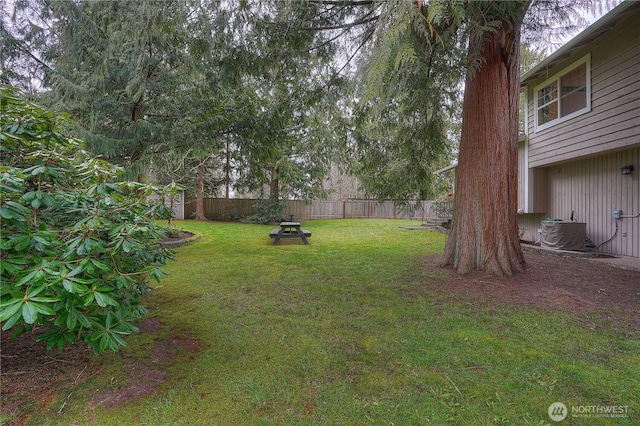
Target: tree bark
[484, 232]
[274, 185]
[200, 193]
[227, 203]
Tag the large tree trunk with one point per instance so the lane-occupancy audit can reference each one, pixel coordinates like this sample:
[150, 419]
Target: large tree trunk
[484, 232]
[200, 193]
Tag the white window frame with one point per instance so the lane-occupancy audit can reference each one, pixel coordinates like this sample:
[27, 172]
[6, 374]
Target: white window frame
[584, 60]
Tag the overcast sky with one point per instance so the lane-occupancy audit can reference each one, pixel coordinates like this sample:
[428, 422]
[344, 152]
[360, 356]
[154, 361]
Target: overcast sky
[591, 18]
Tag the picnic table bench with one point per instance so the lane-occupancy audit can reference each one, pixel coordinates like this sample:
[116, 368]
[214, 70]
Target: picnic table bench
[290, 230]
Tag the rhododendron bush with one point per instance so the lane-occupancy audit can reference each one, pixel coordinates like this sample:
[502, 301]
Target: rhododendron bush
[78, 249]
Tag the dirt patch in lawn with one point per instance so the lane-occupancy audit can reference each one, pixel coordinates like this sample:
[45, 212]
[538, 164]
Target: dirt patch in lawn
[33, 378]
[143, 381]
[595, 292]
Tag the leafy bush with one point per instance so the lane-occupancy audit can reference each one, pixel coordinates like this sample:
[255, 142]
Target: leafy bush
[77, 249]
[442, 206]
[233, 215]
[269, 210]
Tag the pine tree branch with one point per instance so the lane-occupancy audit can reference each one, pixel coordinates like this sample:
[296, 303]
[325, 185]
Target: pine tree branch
[341, 26]
[343, 2]
[347, 27]
[20, 45]
[355, 52]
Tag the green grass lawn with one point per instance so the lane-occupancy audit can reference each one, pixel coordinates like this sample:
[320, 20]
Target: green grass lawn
[343, 331]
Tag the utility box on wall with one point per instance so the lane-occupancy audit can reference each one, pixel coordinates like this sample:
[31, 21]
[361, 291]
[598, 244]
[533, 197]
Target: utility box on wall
[563, 235]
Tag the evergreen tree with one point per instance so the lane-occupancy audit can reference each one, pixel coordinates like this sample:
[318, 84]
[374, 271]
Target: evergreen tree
[122, 69]
[484, 233]
[408, 106]
[202, 79]
[291, 145]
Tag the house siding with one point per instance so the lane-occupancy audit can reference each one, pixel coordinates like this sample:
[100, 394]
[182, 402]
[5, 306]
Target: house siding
[592, 189]
[532, 183]
[521, 175]
[614, 120]
[529, 226]
[574, 166]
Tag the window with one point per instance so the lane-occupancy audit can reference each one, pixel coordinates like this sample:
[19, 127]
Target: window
[565, 95]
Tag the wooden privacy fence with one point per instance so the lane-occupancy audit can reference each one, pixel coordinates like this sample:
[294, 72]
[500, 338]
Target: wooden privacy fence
[221, 208]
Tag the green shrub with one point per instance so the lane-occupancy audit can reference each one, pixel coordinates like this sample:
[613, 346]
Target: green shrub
[77, 249]
[268, 210]
[443, 206]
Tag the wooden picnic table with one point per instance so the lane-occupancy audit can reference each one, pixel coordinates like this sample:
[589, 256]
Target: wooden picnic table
[290, 230]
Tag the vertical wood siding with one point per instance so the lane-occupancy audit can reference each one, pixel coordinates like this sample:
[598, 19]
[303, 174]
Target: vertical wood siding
[593, 188]
[521, 174]
[529, 225]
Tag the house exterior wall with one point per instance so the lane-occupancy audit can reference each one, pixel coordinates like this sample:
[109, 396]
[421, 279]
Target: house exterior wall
[592, 189]
[529, 225]
[521, 174]
[614, 120]
[575, 165]
[532, 183]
